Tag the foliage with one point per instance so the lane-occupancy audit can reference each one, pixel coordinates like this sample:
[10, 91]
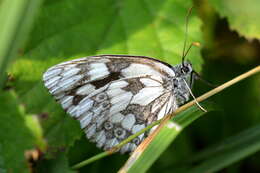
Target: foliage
[31, 120]
[242, 17]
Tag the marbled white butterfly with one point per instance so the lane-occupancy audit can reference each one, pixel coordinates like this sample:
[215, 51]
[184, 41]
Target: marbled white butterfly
[115, 96]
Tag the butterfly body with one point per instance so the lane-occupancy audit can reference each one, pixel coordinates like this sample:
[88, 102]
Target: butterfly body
[115, 96]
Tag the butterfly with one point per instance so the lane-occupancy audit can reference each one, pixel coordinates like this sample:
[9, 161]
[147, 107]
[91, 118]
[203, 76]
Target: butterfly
[115, 96]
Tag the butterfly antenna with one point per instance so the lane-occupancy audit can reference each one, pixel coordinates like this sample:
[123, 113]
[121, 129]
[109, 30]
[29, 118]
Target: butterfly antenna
[197, 103]
[184, 52]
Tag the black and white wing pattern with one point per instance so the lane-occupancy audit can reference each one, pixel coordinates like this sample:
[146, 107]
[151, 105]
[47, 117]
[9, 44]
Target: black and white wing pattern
[115, 96]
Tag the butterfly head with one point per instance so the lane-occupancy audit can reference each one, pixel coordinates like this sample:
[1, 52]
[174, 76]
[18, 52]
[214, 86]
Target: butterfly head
[183, 70]
[186, 68]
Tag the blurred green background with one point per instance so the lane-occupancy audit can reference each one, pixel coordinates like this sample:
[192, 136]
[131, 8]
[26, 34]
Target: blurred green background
[37, 136]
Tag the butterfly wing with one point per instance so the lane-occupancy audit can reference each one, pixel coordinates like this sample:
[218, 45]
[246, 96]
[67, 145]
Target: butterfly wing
[113, 97]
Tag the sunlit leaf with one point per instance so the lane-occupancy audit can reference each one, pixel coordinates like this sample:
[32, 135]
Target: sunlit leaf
[242, 15]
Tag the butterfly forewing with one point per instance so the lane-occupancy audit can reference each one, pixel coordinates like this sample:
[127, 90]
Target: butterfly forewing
[112, 96]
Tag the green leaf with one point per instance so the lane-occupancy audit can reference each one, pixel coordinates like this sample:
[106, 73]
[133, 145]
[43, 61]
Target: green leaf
[58, 165]
[2, 162]
[229, 151]
[166, 136]
[66, 30]
[243, 16]
[15, 136]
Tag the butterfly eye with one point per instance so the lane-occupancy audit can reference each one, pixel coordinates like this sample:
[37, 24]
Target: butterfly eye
[185, 69]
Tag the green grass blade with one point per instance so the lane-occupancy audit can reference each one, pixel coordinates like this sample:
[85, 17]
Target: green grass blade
[229, 151]
[16, 18]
